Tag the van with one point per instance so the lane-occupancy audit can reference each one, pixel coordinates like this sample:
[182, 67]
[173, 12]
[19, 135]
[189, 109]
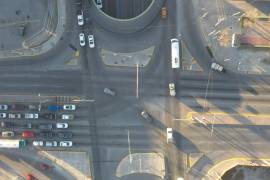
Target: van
[175, 53]
[164, 12]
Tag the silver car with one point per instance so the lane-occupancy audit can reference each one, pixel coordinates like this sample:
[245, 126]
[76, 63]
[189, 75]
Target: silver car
[3, 115]
[67, 116]
[8, 134]
[50, 143]
[3, 107]
[109, 92]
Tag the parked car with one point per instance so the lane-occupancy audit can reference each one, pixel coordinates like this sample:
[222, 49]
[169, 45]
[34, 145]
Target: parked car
[7, 133]
[109, 91]
[65, 143]
[69, 107]
[50, 143]
[51, 116]
[28, 134]
[67, 116]
[54, 108]
[146, 116]
[38, 143]
[99, 4]
[14, 115]
[170, 135]
[7, 124]
[3, 107]
[80, 19]
[217, 67]
[65, 135]
[3, 115]
[172, 89]
[61, 125]
[82, 39]
[91, 41]
[31, 116]
[47, 134]
[45, 126]
[17, 107]
[34, 107]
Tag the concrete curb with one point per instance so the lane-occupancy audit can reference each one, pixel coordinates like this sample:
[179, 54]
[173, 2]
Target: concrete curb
[46, 46]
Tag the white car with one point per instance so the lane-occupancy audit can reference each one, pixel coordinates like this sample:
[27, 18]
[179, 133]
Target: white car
[65, 143]
[67, 116]
[80, 19]
[50, 143]
[30, 116]
[99, 4]
[37, 143]
[91, 41]
[61, 125]
[82, 39]
[3, 115]
[217, 67]
[13, 116]
[170, 135]
[70, 107]
[172, 89]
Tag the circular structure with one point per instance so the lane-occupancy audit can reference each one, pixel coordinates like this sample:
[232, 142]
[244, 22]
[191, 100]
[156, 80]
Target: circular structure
[124, 9]
[125, 16]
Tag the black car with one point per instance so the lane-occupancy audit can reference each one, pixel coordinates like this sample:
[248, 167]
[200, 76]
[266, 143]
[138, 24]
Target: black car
[28, 126]
[7, 124]
[17, 107]
[51, 116]
[45, 126]
[47, 134]
[65, 135]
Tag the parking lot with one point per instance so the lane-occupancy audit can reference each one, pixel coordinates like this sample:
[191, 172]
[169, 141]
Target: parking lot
[40, 126]
[19, 20]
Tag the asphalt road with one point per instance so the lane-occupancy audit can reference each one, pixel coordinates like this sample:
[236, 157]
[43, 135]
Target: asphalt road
[101, 127]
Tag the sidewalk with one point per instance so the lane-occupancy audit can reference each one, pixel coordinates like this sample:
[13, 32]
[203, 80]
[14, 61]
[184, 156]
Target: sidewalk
[46, 45]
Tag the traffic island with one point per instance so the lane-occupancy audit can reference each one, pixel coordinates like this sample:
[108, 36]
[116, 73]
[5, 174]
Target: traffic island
[151, 163]
[132, 59]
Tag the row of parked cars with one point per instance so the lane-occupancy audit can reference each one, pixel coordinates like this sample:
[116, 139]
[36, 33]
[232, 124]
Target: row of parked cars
[52, 143]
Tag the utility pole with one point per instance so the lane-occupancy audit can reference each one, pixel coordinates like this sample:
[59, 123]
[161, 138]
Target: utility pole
[137, 82]
[39, 106]
[129, 150]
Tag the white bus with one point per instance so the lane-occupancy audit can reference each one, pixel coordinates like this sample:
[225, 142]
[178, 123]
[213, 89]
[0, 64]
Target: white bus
[175, 53]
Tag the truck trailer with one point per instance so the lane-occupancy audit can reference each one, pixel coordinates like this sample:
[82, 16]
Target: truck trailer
[12, 143]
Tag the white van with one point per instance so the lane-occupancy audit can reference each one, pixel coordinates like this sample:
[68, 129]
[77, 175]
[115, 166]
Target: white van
[175, 53]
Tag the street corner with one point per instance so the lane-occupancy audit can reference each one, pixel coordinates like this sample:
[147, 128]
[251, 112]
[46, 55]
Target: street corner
[150, 163]
[75, 163]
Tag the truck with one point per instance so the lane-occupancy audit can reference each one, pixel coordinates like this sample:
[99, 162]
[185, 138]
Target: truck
[14, 143]
[55, 107]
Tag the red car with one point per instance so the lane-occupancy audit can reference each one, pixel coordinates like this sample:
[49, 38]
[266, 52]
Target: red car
[30, 177]
[28, 134]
